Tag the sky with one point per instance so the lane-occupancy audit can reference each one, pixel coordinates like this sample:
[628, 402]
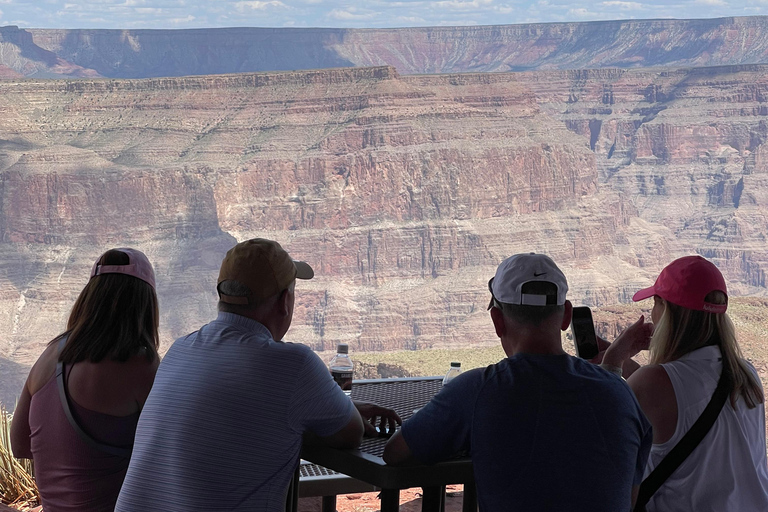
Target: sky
[165, 14]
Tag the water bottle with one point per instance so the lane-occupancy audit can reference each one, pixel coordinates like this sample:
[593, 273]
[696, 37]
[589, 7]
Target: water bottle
[342, 368]
[453, 372]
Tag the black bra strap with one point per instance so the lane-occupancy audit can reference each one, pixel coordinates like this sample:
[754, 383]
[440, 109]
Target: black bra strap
[96, 445]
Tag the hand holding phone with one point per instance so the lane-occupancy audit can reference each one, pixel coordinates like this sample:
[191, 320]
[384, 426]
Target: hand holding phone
[583, 330]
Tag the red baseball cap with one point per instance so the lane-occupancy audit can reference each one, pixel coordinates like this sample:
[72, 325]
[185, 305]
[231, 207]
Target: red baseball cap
[685, 282]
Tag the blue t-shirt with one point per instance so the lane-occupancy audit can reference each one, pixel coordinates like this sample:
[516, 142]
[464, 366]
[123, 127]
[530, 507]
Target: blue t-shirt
[545, 432]
[222, 427]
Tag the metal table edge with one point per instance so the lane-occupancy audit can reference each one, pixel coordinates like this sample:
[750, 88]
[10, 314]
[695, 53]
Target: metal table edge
[372, 469]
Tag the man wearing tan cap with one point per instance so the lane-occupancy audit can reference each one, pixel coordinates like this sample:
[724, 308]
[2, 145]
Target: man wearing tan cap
[222, 427]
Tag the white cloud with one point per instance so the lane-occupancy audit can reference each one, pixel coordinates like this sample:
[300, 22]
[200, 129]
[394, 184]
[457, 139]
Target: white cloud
[580, 12]
[178, 21]
[351, 14]
[409, 19]
[149, 10]
[387, 3]
[716, 3]
[257, 5]
[624, 6]
[461, 5]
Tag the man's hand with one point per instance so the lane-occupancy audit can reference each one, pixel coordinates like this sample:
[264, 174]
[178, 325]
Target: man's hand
[602, 346]
[374, 415]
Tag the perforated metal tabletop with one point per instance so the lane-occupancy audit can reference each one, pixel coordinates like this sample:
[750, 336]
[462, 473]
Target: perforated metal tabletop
[366, 465]
[403, 395]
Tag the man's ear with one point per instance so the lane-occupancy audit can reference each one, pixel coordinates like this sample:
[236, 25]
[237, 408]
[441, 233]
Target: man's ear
[567, 314]
[284, 302]
[498, 322]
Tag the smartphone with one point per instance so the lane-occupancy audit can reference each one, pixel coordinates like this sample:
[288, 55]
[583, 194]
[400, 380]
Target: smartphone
[583, 330]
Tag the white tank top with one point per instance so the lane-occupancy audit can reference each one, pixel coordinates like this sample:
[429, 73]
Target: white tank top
[727, 471]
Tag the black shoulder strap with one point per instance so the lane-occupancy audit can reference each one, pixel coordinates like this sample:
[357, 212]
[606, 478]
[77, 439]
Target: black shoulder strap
[60, 379]
[687, 444]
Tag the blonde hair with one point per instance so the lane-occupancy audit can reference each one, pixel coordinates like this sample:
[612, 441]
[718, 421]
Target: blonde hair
[681, 330]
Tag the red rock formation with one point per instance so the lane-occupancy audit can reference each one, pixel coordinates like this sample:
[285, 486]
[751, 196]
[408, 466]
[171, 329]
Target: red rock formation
[403, 195]
[403, 192]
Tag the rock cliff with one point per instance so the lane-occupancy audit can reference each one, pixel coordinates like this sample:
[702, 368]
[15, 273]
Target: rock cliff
[150, 53]
[404, 192]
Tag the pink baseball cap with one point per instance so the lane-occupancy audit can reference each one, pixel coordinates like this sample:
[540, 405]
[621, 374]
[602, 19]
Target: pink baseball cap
[138, 266]
[685, 282]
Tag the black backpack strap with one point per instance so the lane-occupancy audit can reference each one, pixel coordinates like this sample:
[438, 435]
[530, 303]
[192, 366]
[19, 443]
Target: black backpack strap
[96, 445]
[687, 444]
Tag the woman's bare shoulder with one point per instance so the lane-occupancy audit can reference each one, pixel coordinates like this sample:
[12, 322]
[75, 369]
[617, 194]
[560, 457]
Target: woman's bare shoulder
[43, 369]
[656, 395]
[651, 375]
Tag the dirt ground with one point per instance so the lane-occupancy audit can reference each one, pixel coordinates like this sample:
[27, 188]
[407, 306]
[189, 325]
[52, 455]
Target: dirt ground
[410, 501]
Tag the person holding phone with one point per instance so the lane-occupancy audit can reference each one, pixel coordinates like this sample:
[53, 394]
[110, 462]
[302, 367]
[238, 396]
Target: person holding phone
[694, 357]
[545, 430]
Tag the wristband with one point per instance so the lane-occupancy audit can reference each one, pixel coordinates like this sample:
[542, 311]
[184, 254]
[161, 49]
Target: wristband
[616, 370]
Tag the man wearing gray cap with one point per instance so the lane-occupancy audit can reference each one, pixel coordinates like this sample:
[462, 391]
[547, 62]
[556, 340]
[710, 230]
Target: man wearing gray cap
[545, 430]
[222, 427]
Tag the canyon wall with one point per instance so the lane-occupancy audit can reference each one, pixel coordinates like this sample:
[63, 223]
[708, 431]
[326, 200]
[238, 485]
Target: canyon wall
[45, 53]
[403, 192]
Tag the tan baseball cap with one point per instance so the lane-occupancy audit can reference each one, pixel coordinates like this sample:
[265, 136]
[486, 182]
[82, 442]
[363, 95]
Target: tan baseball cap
[263, 266]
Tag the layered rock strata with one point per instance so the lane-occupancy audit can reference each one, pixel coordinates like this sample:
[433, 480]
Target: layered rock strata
[404, 192]
[149, 53]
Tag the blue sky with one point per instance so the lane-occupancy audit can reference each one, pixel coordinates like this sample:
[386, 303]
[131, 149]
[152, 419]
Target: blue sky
[345, 13]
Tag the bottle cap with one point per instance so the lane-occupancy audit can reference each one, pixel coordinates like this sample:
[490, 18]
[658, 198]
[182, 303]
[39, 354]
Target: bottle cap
[342, 348]
[455, 365]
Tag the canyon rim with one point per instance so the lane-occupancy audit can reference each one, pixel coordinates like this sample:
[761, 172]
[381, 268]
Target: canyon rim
[404, 191]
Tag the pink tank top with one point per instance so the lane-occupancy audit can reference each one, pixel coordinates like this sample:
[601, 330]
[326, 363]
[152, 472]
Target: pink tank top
[70, 474]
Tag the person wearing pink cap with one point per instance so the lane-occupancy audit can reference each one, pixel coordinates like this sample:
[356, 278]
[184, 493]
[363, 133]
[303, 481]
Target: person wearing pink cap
[704, 400]
[78, 410]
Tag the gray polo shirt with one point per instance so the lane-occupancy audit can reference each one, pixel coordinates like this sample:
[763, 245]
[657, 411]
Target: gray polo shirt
[222, 427]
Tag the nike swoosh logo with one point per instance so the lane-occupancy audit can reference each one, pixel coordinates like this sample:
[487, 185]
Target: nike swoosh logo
[540, 274]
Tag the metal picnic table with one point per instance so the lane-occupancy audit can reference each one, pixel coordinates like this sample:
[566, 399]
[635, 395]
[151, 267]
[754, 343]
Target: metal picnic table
[364, 466]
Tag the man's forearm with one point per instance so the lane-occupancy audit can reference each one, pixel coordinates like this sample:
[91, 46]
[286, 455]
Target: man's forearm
[397, 450]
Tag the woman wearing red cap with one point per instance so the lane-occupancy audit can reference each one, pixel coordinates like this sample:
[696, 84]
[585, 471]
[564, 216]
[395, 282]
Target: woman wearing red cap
[696, 365]
[78, 410]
